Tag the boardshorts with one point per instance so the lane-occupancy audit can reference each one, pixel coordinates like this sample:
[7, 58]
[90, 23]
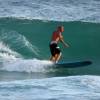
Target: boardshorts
[54, 48]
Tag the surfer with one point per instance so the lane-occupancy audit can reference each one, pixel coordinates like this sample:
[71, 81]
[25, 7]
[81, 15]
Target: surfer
[54, 48]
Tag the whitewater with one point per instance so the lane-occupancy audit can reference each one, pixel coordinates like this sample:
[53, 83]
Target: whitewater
[57, 88]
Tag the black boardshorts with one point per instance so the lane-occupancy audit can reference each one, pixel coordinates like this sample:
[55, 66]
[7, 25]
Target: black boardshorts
[54, 49]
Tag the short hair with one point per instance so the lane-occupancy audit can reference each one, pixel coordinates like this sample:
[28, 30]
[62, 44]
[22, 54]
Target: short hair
[60, 28]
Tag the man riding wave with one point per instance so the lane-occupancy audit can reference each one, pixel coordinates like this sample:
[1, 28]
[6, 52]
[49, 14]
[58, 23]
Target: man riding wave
[56, 38]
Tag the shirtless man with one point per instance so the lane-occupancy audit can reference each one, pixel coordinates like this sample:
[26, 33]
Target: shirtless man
[55, 50]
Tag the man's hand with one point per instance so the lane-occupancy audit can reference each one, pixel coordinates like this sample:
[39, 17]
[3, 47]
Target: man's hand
[66, 45]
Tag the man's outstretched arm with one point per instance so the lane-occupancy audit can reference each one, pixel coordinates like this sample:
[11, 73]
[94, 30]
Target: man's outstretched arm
[64, 43]
[62, 40]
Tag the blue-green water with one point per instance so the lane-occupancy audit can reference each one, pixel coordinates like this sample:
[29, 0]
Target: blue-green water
[28, 40]
[24, 65]
[25, 32]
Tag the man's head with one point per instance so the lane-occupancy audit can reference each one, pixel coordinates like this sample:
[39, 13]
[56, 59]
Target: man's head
[60, 28]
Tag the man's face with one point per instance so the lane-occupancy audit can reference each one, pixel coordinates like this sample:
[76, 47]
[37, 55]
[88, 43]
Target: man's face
[62, 29]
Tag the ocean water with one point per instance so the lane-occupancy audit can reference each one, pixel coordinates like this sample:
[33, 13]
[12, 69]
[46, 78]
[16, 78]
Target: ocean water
[26, 27]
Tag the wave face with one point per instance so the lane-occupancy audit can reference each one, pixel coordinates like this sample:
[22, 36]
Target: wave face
[60, 10]
[24, 42]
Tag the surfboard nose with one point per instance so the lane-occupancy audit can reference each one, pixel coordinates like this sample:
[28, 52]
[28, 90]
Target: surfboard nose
[73, 64]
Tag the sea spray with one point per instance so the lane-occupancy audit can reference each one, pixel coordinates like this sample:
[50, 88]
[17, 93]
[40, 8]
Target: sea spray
[17, 41]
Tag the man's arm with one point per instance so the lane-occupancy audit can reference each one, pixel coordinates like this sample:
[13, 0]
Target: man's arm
[62, 40]
[64, 43]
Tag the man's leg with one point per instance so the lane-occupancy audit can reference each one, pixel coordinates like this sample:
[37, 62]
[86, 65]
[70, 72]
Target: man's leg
[57, 57]
[52, 58]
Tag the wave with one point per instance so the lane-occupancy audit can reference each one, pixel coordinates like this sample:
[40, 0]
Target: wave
[25, 39]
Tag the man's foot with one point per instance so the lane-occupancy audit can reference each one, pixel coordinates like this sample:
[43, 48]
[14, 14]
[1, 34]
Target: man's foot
[56, 62]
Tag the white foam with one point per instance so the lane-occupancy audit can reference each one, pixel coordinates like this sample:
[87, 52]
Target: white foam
[7, 53]
[68, 88]
[22, 65]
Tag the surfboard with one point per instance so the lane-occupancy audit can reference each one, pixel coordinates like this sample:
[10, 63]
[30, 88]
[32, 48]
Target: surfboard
[76, 64]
